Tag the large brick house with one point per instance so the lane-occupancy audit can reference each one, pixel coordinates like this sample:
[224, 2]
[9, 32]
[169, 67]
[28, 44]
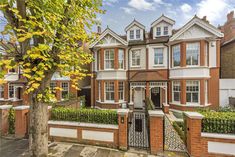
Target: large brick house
[228, 48]
[175, 67]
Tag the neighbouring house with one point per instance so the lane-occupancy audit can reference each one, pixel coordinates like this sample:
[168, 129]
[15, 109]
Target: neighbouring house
[175, 67]
[227, 69]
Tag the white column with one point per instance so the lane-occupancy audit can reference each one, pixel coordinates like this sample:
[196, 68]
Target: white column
[166, 95]
[15, 93]
[131, 95]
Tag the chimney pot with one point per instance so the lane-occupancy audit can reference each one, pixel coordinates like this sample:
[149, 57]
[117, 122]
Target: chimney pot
[230, 16]
[98, 29]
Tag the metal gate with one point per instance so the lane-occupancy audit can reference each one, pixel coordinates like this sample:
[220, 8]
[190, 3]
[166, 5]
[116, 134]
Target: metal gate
[138, 134]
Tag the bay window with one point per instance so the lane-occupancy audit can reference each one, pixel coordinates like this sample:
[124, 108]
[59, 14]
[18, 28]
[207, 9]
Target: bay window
[176, 55]
[121, 90]
[1, 92]
[121, 59]
[135, 58]
[109, 59]
[109, 91]
[192, 91]
[158, 56]
[176, 89]
[65, 90]
[11, 92]
[192, 54]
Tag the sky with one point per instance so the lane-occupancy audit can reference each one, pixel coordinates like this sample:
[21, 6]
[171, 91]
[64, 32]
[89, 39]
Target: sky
[120, 13]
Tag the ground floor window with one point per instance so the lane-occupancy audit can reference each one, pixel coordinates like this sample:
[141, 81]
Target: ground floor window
[192, 91]
[109, 91]
[65, 90]
[121, 90]
[11, 92]
[1, 92]
[53, 88]
[176, 91]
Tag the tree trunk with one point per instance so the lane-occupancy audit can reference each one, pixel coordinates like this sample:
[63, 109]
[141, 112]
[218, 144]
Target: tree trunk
[38, 133]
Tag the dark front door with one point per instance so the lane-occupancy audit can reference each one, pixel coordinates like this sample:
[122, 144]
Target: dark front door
[155, 96]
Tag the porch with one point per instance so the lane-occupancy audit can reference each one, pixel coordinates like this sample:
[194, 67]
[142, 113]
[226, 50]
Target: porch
[140, 91]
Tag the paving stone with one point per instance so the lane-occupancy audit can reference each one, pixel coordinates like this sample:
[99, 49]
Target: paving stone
[88, 152]
[74, 151]
[116, 154]
[102, 153]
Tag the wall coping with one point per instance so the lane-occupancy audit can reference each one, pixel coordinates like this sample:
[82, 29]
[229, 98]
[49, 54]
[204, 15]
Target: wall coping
[194, 115]
[92, 125]
[164, 104]
[21, 107]
[123, 111]
[4, 107]
[215, 135]
[156, 113]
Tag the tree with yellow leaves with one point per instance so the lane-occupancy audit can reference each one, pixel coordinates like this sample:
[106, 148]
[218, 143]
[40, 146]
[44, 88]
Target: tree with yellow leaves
[43, 37]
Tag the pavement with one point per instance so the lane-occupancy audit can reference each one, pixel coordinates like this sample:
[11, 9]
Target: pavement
[18, 148]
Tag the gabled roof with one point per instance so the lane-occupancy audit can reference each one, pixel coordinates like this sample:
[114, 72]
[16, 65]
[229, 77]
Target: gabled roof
[134, 22]
[205, 25]
[163, 18]
[110, 32]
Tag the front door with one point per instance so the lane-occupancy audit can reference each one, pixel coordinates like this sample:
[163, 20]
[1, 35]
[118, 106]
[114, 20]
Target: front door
[155, 96]
[138, 98]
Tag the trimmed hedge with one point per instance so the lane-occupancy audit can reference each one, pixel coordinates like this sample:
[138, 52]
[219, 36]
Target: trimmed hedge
[84, 115]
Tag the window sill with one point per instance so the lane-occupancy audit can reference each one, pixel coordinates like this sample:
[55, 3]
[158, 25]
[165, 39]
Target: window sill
[135, 66]
[158, 65]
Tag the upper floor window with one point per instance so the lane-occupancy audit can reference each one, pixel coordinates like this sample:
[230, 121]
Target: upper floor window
[109, 59]
[176, 91]
[121, 59]
[1, 92]
[135, 58]
[192, 54]
[158, 56]
[109, 91]
[65, 90]
[138, 34]
[165, 30]
[158, 31]
[11, 92]
[176, 55]
[121, 90]
[192, 91]
[13, 70]
[131, 34]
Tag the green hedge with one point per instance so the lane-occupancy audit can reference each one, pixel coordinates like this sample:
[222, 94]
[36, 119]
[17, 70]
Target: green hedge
[85, 115]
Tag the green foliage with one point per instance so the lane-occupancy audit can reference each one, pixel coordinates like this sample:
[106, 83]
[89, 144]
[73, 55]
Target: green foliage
[85, 115]
[228, 115]
[150, 105]
[83, 101]
[11, 121]
[179, 127]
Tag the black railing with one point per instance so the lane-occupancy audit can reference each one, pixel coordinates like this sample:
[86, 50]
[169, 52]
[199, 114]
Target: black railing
[215, 125]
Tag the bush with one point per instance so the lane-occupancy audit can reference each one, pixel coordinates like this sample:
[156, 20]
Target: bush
[11, 121]
[179, 127]
[85, 115]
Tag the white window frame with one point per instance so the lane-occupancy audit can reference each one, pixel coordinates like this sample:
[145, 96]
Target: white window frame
[109, 59]
[106, 84]
[132, 37]
[158, 32]
[191, 82]
[173, 47]
[176, 83]
[137, 34]
[121, 60]
[165, 30]
[136, 58]
[64, 90]
[13, 90]
[1, 92]
[16, 71]
[121, 91]
[191, 58]
[155, 52]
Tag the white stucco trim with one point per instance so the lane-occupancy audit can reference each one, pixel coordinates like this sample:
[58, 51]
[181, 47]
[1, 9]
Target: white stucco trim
[156, 113]
[221, 148]
[98, 135]
[4, 107]
[63, 132]
[194, 115]
[189, 72]
[220, 136]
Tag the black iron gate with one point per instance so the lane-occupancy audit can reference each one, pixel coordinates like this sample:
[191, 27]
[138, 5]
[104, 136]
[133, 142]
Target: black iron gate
[138, 135]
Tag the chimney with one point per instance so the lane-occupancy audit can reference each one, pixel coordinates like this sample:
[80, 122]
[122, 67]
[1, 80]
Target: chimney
[230, 16]
[98, 29]
[204, 19]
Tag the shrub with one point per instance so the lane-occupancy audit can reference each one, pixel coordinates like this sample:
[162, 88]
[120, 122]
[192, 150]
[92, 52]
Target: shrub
[11, 121]
[179, 127]
[85, 115]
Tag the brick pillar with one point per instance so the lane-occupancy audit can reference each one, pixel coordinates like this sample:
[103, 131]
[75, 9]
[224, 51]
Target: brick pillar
[21, 122]
[202, 92]
[193, 126]
[4, 112]
[58, 92]
[166, 108]
[183, 54]
[183, 92]
[6, 91]
[156, 131]
[147, 90]
[116, 98]
[123, 127]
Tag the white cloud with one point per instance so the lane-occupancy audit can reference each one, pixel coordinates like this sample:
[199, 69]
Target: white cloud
[141, 5]
[159, 1]
[128, 10]
[109, 2]
[213, 9]
[185, 8]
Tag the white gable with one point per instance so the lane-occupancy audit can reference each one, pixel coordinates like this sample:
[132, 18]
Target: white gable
[108, 40]
[195, 32]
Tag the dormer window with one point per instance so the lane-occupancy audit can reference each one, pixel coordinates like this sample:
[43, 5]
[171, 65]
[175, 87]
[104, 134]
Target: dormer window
[166, 30]
[138, 34]
[158, 31]
[131, 34]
